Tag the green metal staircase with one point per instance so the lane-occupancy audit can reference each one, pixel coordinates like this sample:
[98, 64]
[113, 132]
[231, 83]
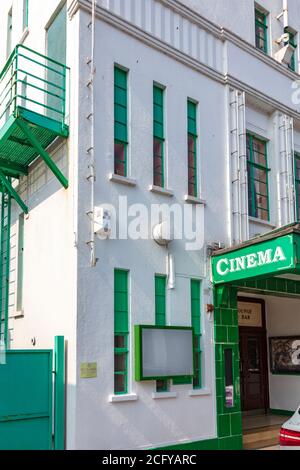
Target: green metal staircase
[33, 104]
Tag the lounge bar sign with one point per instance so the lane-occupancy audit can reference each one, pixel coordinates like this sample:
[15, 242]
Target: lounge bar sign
[270, 257]
[250, 314]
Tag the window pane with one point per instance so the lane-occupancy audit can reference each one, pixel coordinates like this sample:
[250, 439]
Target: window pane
[259, 175]
[120, 362]
[297, 168]
[158, 162]
[262, 214]
[259, 152]
[162, 386]
[120, 383]
[192, 176]
[261, 188]
[120, 341]
[120, 159]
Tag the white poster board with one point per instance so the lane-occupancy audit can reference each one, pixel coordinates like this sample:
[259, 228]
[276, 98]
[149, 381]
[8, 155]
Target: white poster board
[167, 352]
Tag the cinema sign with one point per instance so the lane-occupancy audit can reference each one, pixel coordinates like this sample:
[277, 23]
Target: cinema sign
[275, 256]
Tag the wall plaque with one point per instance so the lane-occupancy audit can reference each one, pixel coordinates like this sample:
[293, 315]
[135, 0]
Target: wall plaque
[250, 314]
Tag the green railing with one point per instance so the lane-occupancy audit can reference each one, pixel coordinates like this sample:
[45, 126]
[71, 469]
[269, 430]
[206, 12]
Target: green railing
[33, 82]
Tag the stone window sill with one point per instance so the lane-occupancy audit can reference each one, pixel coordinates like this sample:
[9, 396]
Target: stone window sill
[123, 398]
[24, 35]
[202, 392]
[194, 200]
[262, 222]
[17, 314]
[122, 180]
[161, 191]
[163, 395]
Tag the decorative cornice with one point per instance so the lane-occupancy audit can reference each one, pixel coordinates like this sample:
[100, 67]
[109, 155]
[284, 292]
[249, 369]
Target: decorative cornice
[221, 33]
[140, 34]
[276, 105]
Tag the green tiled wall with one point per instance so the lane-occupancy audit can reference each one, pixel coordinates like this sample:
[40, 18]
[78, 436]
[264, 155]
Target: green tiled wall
[229, 420]
[278, 286]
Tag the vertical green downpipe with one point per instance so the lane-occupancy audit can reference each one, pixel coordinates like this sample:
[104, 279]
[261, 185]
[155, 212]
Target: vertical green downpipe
[59, 393]
[20, 263]
[4, 266]
[7, 267]
[2, 319]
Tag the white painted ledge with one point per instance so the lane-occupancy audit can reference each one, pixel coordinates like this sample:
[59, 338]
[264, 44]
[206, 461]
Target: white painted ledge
[161, 191]
[17, 314]
[122, 398]
[163, 395]
[122, 180]
[262, 222]
[24, 35]
[194, 200]
[202, 392]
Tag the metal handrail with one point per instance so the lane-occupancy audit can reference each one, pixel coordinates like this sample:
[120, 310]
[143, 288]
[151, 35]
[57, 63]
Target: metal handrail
[45, 89]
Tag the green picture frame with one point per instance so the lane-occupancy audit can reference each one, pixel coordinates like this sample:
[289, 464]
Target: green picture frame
[138, 356]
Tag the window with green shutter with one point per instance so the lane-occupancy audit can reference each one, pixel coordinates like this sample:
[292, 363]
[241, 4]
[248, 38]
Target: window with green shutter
[195, 286]
[25, 13]
[9, 33]
[121, 331]
[196, 324]
[158, 136]
[261, 30]
[120, 121]
[160, 318]
[257, 165]
[297, 185]
[192, 148]
[293, 42]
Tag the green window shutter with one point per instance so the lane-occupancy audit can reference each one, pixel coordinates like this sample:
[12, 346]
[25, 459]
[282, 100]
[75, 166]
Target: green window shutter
[196, 324]
[158, 112]
[160, 300]
[192, 118]
[121, 332]
[9, 33]
[192, 148]
[160, 318]
[120, 105]
[195, 306]
[297, 185]
[56, 45]
[261, 31]
[25, 13]
[293, 42]
[158, 137]
[258, 179]
[121, 301]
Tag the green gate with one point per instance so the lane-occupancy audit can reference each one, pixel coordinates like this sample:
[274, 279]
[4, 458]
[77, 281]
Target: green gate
[32, 399]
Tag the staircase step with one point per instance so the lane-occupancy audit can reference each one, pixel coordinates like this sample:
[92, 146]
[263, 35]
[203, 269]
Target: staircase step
[261, 437]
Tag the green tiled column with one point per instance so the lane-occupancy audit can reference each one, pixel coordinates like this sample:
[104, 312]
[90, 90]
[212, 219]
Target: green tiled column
[229, 420]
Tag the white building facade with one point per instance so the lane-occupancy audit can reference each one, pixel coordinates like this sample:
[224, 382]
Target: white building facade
[189, 104]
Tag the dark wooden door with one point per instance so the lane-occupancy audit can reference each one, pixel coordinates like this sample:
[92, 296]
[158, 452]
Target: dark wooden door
[254, 380]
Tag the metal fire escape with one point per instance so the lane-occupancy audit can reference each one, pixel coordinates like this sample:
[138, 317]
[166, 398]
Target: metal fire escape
[33, 103]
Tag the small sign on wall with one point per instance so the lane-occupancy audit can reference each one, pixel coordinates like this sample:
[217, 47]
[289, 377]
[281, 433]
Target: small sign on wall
[88, 370]
[250, 314]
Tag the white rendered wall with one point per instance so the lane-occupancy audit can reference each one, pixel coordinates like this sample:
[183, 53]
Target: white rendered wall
[156, 422]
